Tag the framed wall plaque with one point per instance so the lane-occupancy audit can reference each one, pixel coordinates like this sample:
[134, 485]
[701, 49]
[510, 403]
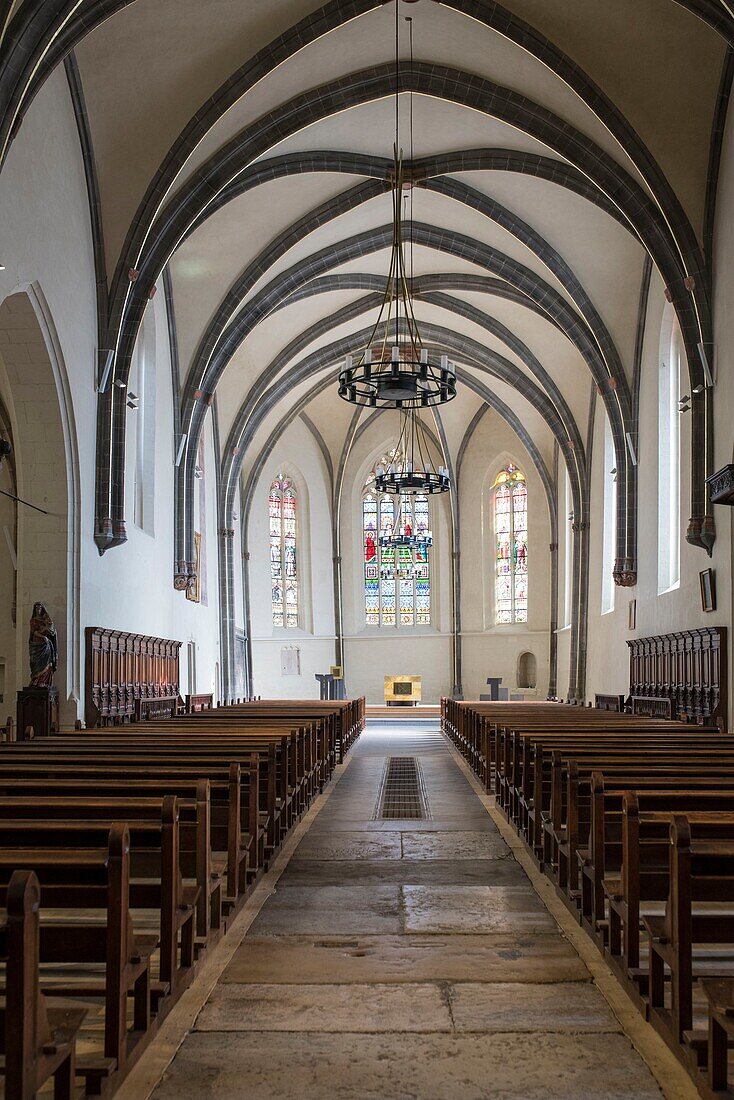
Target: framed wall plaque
[707, 577]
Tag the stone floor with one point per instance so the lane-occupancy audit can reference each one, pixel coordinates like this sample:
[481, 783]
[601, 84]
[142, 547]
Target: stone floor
[402, 959]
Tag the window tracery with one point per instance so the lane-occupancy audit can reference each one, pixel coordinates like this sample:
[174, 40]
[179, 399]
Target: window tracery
[511, 556]
[283, 518]
[397, 579]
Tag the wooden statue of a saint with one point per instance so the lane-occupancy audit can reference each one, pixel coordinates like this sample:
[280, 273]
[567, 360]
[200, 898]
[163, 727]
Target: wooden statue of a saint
[42, 647]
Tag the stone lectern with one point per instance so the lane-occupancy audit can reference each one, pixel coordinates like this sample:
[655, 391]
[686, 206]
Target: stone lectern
[493, 683]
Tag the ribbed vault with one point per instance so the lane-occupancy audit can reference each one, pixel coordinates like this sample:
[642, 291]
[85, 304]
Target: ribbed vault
[249, 168]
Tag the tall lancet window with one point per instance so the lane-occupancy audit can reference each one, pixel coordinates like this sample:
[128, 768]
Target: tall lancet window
[669, 403]
[283, 515]
[610, 521]
[397, 579]
[511, 532]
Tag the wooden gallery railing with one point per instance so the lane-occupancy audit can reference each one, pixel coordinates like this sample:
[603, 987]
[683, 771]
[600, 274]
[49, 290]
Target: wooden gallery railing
[687, 667]
[124, 672]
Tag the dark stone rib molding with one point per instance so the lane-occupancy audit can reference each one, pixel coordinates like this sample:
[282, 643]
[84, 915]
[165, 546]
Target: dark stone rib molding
[230, 304]
[464, 88]
[422, 169]
[253, 414]
[717, 141]
[362, 193]
[104, 534]
[348, 201]
[262, 305]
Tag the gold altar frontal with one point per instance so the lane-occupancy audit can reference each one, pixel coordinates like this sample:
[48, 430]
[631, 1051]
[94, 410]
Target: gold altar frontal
[402, 690]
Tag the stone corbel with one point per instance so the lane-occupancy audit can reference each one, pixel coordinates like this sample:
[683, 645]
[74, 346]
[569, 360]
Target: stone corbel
[625, 572]
[184, 577]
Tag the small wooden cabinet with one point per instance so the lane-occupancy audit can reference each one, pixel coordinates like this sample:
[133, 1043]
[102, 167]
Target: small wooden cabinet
[38, 708]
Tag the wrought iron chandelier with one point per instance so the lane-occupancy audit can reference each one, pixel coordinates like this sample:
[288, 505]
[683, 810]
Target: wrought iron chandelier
[404, 535]
[396, 371]
[416, 468]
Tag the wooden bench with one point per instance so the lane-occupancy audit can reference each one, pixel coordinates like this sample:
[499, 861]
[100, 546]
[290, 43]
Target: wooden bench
[38, 1039]
[196, 703]
[701, 871]
[267, 757]
[80, 881]
[232, 805]
[153, 819]
[534, 779]
[643, 866]
[569, 819]
[194, 831]
[719, 993]
[156, 881]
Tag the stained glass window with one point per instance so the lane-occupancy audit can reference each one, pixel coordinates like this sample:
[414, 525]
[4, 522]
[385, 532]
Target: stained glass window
[282, 511]
[397, 580]
[511, 532]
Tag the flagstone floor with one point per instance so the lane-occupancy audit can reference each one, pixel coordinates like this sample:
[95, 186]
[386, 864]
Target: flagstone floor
[405, 959]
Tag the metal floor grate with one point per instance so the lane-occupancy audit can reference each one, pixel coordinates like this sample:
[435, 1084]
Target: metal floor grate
[402, 791]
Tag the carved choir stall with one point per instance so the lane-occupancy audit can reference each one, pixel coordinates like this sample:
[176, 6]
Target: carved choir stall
[687, 668]
[129, 677]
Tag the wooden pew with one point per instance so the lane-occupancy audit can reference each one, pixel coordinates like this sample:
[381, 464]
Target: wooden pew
[566, 778]
[82, 880]
[222, 784]
[569, 821]
[276, 800]
[195, 840]
[719, 993]
[232, 814]
[700, 871]
[644, 867]
[38, 1039]
[156, 881]
[537, 773]
[288, 769]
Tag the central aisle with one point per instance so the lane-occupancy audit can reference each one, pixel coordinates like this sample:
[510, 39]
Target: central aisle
[405, 959]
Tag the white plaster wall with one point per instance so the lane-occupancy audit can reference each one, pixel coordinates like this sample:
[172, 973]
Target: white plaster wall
[296, 454]
[608, 664]
[487, 649]
[46, 244]
[371, 653]
[131, 587]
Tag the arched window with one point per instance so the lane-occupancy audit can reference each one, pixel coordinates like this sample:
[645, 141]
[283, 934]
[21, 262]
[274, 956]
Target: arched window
[397, 580]
[567, 550]
[283, 513]
[143, 407]
[609, 533]
[511, 530]
[669, 454]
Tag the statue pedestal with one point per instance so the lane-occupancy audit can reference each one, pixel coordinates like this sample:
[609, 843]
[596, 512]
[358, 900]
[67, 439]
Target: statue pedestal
[38, 707]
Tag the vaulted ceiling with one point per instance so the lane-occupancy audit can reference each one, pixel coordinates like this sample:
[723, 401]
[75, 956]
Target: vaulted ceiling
[247, 146]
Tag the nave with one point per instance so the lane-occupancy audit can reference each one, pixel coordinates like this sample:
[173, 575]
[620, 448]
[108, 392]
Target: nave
[404, 958]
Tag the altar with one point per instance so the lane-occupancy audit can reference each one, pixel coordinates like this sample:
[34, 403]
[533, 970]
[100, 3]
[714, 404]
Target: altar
[402, 691]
